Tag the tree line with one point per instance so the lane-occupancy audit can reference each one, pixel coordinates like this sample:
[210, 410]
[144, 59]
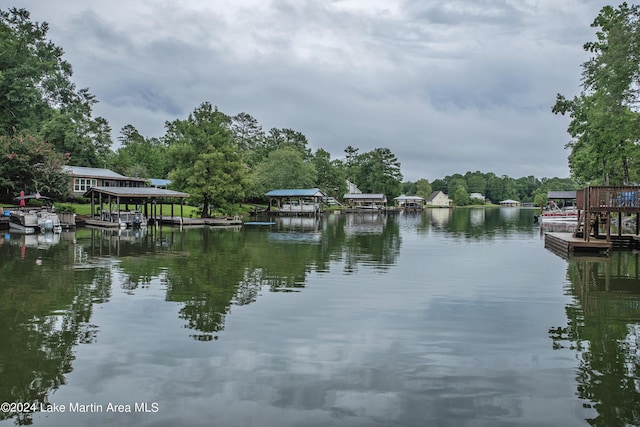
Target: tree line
[46, 122]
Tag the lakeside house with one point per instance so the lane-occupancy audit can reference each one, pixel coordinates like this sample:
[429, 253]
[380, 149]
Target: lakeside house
[510, 203]
[82, 179]
[439, 199]
[477, 196]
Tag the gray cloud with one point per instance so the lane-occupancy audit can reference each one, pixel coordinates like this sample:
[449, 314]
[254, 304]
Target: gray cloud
[447, 86]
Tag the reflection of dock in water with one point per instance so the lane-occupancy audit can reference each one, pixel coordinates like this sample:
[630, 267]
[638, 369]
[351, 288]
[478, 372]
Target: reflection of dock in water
[295, 229]
[292, 223]
[364, 224]
[295, 237]
[608, 286]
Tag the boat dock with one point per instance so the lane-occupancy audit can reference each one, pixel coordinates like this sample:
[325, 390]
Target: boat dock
[598, 207]
[172, 220]
[566, 244]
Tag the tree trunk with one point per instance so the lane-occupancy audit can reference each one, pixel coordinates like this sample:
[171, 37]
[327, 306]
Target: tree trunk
[625, 170]
[205, 207]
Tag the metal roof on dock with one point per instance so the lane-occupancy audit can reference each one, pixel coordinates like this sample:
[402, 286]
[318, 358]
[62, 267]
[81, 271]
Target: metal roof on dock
[293, 192]
[140, 192]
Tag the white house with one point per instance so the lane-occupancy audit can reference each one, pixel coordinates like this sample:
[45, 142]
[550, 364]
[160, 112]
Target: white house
[438, 198]
[476, 196]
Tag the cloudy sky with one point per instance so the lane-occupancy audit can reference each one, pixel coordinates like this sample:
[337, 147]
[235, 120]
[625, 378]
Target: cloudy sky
[448, 86]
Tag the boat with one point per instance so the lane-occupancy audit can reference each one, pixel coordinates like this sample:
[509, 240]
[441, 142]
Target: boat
[34, 221]
[126, 219]
[30, 220]
[557, 215]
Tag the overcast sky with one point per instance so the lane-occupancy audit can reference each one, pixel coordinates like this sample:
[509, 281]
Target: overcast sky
[448, 86]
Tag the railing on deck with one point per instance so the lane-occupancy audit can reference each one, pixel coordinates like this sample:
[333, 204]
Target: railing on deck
[609, 199]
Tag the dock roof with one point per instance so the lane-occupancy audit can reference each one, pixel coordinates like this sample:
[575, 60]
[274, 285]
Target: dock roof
[402, 197]
[365, 196]
[293, 192]
[561, 194]
[136, 192]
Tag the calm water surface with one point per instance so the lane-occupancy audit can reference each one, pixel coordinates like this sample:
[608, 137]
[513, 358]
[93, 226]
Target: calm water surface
[447, 318]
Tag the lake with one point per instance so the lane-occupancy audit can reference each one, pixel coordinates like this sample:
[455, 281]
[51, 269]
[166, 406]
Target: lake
[442, 318]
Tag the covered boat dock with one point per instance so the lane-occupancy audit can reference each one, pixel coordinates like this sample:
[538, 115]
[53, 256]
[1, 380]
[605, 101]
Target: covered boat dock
[365, 202]
[409, 203]
[305, 201]
[107, 204]
[608, 217]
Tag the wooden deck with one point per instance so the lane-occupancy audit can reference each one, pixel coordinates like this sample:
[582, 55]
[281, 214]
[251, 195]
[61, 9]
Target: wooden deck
[566, 244]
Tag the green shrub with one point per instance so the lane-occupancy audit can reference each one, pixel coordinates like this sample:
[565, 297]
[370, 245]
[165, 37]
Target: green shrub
[64, 207]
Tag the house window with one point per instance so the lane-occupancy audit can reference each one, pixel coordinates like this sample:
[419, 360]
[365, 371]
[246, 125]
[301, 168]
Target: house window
[80, 185]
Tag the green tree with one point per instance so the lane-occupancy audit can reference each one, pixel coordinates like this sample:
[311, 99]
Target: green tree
[283, 138]
[379, 172]
[283, 168]
[440, 185]
[604, 120]
[139, 156]
[206, 162]
[540, 199]
[38, 97]
[351, 163]
[408, 188]
[423, 188]
[476, 182]
[454, 182]
[330, 176]
[249, 137]
[32, 165]
[461, 196]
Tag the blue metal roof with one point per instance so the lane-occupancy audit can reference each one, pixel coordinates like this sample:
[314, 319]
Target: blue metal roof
[159, 182]
[303, 192]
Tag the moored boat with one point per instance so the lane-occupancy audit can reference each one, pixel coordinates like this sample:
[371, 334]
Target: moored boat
[30, 220]
[34, 221]
[557, 215]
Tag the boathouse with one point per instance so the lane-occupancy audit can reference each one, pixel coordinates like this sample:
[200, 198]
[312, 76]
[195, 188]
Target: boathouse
[409, 203]
[562, 199]
[509, 203]
[365, 201]
[111, 206]
[305, 201]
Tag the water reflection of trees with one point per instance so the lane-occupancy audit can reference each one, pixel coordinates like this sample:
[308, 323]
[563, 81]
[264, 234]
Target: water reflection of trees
[604, 329]
[45, 311]
[47, 293]
[210, 270]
